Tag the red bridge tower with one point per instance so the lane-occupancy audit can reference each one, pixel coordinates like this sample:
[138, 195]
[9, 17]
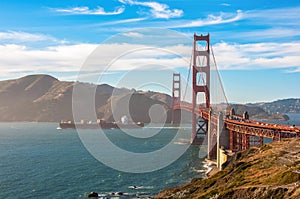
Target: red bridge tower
[201, 83]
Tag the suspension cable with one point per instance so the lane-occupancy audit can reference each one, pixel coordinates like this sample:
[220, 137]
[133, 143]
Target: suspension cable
[188, 78]
[219, 77]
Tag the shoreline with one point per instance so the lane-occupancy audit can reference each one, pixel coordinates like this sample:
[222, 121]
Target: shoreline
[211, 167]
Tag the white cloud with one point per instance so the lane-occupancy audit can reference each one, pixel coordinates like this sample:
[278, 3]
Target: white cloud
[123, 21]
[225, 4]
[258, 56]
[213, 20]
[19, 59]
[260, 34]
[133, 34]
[294, 70]
[87, 11]
[13, 36]
[158, 10]
[283, 17]
[279, 13]
[222, 18]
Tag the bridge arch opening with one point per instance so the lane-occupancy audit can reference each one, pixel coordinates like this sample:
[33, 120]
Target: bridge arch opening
[201, 61]
[201, 79]
[201, 45]
[200, 100]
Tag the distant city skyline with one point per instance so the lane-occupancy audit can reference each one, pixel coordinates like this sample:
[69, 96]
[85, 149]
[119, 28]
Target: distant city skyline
[256, 44]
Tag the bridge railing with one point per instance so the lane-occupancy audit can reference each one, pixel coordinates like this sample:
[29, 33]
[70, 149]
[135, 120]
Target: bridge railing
[239, 120]
[264, 125]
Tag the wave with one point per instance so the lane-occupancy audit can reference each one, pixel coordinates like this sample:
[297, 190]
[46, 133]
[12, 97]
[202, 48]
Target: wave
[182, 142]
[140, 187]
[125, 194]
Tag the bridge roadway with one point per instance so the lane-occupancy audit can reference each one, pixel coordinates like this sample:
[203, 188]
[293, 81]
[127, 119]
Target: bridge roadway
[237, 124]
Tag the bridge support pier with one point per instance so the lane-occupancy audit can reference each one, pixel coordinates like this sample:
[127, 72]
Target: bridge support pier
[223, 141]
[218, 137]
[261, 141]
[210, 140]
[201, 132]
[239, 141]
[223, 134]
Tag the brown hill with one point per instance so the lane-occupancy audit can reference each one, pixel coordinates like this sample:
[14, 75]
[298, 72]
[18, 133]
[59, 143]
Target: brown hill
[44, 98]
[271, 171]
[137, 104]
[256, 112]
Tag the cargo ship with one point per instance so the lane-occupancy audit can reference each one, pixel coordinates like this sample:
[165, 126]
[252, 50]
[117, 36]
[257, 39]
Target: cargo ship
[100, 124]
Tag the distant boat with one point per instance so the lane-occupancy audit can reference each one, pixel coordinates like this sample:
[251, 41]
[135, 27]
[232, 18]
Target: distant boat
[100, 124]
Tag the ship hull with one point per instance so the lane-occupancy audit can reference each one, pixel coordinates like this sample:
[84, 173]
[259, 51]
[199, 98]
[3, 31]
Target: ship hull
[109, 125]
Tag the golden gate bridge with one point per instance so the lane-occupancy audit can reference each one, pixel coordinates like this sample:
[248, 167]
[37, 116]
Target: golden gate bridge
[212, 117]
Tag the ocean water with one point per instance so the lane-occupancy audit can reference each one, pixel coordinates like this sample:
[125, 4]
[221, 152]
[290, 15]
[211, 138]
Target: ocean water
[39, 161]
[294, 119]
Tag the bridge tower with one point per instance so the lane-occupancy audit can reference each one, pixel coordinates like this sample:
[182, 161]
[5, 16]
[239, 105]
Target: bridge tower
[176, 93]
[201, 84]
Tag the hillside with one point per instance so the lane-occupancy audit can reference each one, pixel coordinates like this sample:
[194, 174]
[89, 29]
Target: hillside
[43, 98]
[280, 106]
[257, 112]
[271, 171]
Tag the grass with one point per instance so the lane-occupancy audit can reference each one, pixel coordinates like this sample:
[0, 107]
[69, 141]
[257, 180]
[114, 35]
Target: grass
[258, 171]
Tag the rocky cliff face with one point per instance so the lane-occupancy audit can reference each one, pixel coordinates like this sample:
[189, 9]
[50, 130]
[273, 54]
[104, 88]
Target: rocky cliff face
[271, 171]
[44, 98]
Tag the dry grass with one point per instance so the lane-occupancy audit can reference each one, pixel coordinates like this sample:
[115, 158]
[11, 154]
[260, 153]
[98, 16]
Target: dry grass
[272, 171]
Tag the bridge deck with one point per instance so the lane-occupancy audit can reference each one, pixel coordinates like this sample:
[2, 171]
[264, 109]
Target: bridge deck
[249, 127]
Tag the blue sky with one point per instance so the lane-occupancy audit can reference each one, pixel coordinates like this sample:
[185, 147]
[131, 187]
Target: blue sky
[256, 44]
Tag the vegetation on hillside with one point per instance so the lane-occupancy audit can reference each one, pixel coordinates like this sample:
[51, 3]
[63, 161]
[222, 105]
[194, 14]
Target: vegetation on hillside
[256, 112]
[44, 98]
[271, 171]
[280, 106]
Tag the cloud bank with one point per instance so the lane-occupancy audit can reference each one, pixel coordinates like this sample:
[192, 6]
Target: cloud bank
[19, 59]
[157, 10]
[87, 11]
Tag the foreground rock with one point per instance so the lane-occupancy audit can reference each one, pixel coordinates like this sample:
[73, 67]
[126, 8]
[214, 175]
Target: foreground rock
[272, 171]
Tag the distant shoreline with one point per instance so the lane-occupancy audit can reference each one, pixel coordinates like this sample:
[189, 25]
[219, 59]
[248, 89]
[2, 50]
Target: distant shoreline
[273, 117]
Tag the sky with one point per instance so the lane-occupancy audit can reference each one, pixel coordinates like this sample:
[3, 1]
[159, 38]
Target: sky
[140, 43]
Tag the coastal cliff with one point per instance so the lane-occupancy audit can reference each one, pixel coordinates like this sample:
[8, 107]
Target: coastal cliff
[271, 171]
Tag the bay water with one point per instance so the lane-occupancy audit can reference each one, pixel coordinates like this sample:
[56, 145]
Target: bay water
[37, 160]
